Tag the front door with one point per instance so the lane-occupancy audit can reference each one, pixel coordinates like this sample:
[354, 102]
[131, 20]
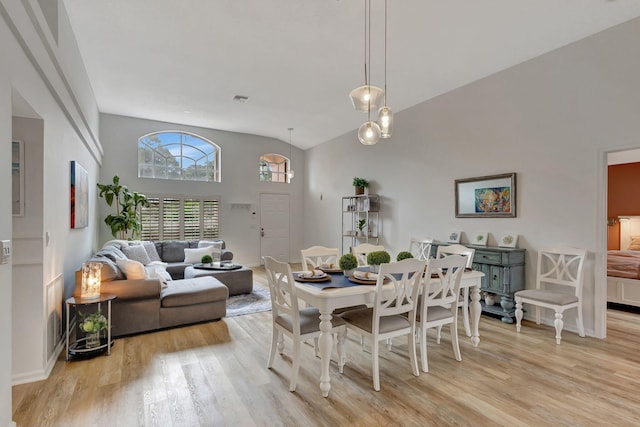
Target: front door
[274, 226]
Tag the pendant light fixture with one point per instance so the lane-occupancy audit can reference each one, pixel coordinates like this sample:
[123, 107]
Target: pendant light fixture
[290, 173]
[369, 132]
[366, 97]
[385, 116]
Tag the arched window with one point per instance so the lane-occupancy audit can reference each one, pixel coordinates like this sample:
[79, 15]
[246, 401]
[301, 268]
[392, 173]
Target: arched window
[273, 168]
[178, 155]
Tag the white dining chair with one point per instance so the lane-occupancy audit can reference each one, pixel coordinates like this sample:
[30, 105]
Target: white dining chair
[317, 256]
[361, 251]
[393, 313]
[463, 301]
[437, 306]
[420, 247]
[559, 280]
[288, 319]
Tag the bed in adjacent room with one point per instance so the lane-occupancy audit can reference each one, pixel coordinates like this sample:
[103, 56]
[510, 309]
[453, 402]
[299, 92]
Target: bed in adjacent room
[623, 266]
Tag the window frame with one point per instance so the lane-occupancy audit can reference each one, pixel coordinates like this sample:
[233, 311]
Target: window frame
[216, 154]
[286, 167]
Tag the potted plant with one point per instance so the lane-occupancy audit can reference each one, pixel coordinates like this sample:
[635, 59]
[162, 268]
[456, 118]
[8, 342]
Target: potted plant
[360, 184]
[375, 258]
[125, 224]
[348, 263]
[92, 325]
[361, 225]
[206, 259]
[404, 255]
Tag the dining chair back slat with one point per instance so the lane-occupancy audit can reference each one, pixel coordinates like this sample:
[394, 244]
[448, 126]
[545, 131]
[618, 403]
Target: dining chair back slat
[361, 252]
[318, 256]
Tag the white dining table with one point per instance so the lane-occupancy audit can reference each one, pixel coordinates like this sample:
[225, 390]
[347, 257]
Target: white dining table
[329, 299]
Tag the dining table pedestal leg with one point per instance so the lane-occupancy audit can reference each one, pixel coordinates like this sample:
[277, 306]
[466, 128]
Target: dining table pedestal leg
[325, 341]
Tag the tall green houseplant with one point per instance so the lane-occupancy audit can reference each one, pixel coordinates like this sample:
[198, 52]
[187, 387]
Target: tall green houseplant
[126, 223]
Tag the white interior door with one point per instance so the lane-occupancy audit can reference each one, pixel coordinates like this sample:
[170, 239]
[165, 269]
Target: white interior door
[274, 226]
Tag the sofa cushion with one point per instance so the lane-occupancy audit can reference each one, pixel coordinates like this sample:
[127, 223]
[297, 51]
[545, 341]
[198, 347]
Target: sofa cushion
[173, 250]
[136, 253]
[216, 248]
[194, 256]
[203, 243]
[199, 290]
[150, 247]
[132, 270]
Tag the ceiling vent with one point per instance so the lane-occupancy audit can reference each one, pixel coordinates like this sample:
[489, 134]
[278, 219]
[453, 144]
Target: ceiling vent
[240, 98]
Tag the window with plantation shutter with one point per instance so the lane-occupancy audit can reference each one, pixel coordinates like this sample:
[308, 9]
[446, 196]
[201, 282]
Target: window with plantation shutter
[170, 222]
[150, 220]
[180, 218]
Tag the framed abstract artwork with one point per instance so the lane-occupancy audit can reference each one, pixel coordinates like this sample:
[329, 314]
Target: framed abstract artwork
[491, 196]
[79, 196]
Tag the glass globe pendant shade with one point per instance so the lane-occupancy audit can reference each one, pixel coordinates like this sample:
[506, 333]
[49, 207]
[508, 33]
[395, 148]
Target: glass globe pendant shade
[369, 133]
[365, 97]
[291, 174]
[385, 121]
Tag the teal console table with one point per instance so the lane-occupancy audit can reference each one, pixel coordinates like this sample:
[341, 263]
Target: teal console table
[503, 270]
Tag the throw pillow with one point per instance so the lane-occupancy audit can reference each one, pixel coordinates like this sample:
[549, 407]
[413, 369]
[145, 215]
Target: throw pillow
[150, 247]
[635, 243]
[193, 256]
[133, 270]
[158, 271]
[137, 253]
[216, 246]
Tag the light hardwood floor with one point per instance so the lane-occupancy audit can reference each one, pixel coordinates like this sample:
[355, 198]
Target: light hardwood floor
[214, 374]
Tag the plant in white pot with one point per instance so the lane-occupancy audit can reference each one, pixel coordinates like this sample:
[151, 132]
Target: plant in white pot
[375, 258]
[348, 263]
[362, 223]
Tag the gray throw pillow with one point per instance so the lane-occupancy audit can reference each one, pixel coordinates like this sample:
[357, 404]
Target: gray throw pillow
[137, 253]
[150, 247]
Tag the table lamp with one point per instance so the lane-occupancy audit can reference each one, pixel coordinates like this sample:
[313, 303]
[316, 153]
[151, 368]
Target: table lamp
[91, 273]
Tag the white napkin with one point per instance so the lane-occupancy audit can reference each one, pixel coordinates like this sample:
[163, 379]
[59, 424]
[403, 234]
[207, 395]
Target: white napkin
[312, 273]
[365, 275]
[328, 266]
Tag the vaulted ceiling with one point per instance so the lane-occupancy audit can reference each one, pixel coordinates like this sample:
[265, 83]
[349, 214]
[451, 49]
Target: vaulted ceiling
[297, 60]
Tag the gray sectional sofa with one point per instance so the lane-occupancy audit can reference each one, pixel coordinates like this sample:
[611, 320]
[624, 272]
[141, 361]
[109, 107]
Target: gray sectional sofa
[150, 303]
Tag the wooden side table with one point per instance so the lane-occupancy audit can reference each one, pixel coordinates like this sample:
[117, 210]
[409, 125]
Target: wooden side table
[77, 347]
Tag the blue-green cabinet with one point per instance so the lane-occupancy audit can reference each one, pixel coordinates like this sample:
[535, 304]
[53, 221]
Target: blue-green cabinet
[503, 270]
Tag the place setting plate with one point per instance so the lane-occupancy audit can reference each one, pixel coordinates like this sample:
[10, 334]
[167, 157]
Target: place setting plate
[324, 277]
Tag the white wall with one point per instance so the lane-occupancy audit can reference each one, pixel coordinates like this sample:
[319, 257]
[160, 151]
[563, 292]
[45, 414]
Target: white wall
[549, 119]
[30, 69]
[240, 155]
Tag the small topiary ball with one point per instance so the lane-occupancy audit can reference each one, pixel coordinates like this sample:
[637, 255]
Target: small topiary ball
[378, 257]
[404, 255]
[206, 259]
[348, 262]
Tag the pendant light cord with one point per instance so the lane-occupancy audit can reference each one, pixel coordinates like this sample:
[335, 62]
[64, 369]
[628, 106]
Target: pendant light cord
[368, 17]
[385, 52]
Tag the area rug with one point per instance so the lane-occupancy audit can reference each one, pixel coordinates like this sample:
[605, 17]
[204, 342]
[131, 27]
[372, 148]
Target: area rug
[258, 300]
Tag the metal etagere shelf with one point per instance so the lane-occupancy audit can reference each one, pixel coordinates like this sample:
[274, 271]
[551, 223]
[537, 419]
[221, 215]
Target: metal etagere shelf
[360, 210]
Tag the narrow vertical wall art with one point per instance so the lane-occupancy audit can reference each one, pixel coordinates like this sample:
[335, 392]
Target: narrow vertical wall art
[79, 196]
